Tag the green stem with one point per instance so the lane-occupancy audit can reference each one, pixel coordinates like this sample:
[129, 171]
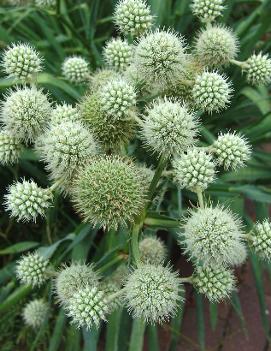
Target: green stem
[159, 170]
[135, 242]
[137, 337]
[187, 280]
[239, 63]
[163, 223]
[200, 198]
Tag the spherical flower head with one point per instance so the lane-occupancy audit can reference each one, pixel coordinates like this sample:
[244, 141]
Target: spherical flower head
[100, 78]
[31, 269]
[207, 10]
[35, 313]
[118, 54]
[216, 283]
[133, 17]
[232, 151]
[260, 239]
[216, 46]
[10, 148]
[115, 188]
[160, 57]
[194, 170]
[169, 127]
[117, 97]
[25, 112]
[75, 69]
[26, 201]
[64, 112]
[21, 61]
[87, 307]
[152, 250]
[152, 292]
[213, 236]
[258, 69]
[211, 92]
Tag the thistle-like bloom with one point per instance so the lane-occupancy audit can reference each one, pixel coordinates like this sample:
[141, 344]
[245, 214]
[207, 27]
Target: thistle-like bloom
[115, 188]
[258, 69]
[133, 17]
[72, 278]
[211, 92]
[232, 151]
[260, 239]
[213, 236]
[100, 78]
[31, 269]
[65, 147]
[25, 112]
[118, 54]
[76, 69]
[207, 10]
[194, 170]
[152, 250]
[64, 112]
[216, 283]
[117, 97]
[168, 128]
[87, 307]
[10, 148]
[152, 293]
[216, 46]
[35, 313]
[160, 57]
[26, 200]
[21, 61]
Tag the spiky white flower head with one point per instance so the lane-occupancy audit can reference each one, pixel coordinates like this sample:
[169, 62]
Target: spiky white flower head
[118, 54]
[64, 112]
[31, 269]
[216, 46]
[117, 98]
[211, 92]
[101, 77]
[65, 147]
[72, 278]
[25, 112]
[152, 250]
[216, 283]
[232, 151]
[213, 236]
[76, 69]
[21, 61]
[194, 170]
[45, 3]
[207, 10]
[115, 188]
[88, 307]
[160, 57]
[152, 293]
[35, 313]
[26, 201]
[260, 239]
[258, 69]
[169, 127]
[133, 17]
[10, 148]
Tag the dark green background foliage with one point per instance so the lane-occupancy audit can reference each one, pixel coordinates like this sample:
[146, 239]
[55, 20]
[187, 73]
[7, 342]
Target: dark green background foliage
[82, 27]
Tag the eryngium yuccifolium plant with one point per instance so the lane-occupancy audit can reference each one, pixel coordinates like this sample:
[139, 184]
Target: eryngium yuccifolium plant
[216, 283]
[110, 288]
[64, 112]
[21, 61]
[258, 69]
[118, 54]
[133, 17]
[216, 46]
[101, 77]
[115, 188]
[88, 307]
[45, 3]
[76, 69]
[25, 112]
[213, 236]
[207, 10]
[10, 148]
[194, 170]
[168, 127]
[72, 278]
[35, 313]
[31, 269]
[211, 92]
[152, 250]
[26, 201]
[260, 239]
[152, 292]
[232, 151]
